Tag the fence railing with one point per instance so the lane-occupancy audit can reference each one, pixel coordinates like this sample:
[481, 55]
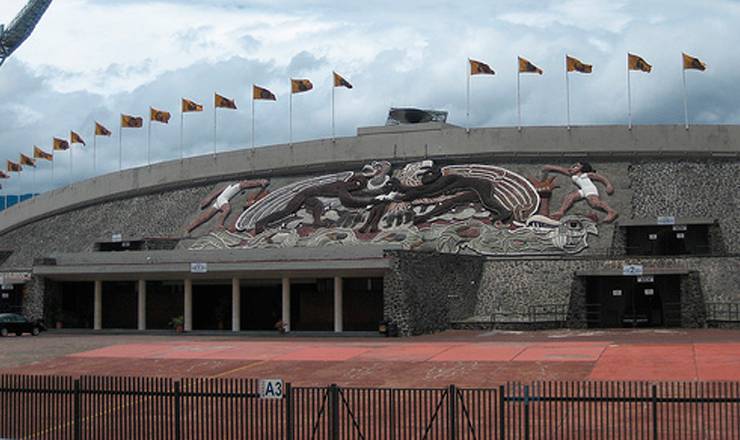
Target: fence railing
[723, 312]
[43, 407]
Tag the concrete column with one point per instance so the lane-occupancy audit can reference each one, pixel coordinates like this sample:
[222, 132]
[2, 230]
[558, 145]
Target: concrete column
[286, 303]
[338, 293]
[98, 306]
[236, 311]
[188, 301]
[141, 316]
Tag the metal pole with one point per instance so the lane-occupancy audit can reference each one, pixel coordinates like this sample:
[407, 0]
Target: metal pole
[567, 90]
[467, 100]
[629, 97]
[290, 112]
[685, 100]
[95, 149]
[182, 145]
[71, 158]
[214, 131]
[149, 139]
[252, 122]
[120, 148]
[333, 128]
[518, 104]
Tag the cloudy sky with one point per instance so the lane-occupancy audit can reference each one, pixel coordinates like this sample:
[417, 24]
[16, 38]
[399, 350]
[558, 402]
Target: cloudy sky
[94, 59]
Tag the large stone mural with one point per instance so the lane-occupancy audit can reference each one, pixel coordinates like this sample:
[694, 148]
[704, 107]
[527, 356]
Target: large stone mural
[474, 209]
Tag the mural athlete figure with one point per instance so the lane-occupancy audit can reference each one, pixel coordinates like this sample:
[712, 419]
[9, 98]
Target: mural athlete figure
[582, 175]
[218, 202]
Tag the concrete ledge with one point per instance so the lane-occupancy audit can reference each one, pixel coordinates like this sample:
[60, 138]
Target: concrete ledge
[441, 141]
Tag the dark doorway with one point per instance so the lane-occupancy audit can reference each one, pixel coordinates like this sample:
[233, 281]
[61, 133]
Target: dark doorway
[668, 240]
[312, 305]
[11, 298]
[120, 301]
[77, 306]
[621, 301]
[362, 303]
[261, 304]
[164, 301]
[212, 306]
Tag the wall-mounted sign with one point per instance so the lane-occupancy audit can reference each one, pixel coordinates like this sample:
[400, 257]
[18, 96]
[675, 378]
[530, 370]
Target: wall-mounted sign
[7, 287]
[649, 292]
[666, 220]
[271, 388]
[680, 228]
[616, 293]
[5, 295]
[632, 270]
[680, 235]
[646, 279]
[116, 237]
[652, 236]
[198, 267]
[15, 277]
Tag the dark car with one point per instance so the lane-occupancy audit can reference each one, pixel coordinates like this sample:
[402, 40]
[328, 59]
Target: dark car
[13, 323]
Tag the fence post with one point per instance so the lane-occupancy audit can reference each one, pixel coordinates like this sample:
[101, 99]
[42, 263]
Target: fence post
[334, 405]
[452, 411]
[289, 416]
[501, 412]
[77, 409]
[654, 397]
[178, 404]
[526, 412]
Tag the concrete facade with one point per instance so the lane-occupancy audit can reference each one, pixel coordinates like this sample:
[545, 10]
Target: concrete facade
[656, 170]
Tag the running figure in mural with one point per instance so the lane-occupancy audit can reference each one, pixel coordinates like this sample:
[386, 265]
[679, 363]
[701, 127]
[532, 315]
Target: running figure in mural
[219, 200]
[583, 175]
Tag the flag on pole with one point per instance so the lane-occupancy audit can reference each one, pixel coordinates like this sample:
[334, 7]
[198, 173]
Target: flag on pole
[575, 65]
[635, 62]
[690, 62]
[38, 153]
[480, 68]
[128, 121]
[526, 66]
[339, 81]
[75, 138]
[222, 102]
[159, 115]
[14, 167]
[100, 130]
[262, 93]
[189, 106]
[61, 144]
[300, 85]
[25, 160]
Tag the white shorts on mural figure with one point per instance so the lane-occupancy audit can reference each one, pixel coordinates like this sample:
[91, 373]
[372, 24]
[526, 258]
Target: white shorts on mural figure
[585, 185]
[226, 195]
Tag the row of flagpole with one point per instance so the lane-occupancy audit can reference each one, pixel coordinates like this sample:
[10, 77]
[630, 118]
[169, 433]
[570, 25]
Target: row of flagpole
[163, 117]
[572, 64]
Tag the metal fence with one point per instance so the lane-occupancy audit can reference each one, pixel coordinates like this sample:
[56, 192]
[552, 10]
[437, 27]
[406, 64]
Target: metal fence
[723, 312]
[42, 407]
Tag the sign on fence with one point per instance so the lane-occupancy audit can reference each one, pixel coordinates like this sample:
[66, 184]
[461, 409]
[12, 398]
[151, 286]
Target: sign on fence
[271, 388]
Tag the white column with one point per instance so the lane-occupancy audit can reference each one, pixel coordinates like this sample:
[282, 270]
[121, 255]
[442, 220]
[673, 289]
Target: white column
[188, 303]
[98, 308]
[141, 316]
[235, 305]
[338, 293]
[286, 303]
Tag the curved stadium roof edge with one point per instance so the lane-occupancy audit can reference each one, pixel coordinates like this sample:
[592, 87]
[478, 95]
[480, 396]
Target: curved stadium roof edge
[395, 143]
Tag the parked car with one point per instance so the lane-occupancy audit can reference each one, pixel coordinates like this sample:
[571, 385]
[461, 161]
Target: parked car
[14, 323]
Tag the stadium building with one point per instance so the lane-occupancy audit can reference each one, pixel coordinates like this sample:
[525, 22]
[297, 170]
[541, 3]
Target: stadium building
[426, 226]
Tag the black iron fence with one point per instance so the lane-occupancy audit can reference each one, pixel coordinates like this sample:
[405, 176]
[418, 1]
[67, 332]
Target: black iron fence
[41, 407]
[723, 312]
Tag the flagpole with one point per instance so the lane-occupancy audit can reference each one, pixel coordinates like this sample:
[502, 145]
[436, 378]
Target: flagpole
[567, 90]
[518, 104]
[467, 100]
[71, 158]
[333, 131]
[629, 96]
[291, 118]
[120, 148]
[214, 131]
[149, 139]
[95, 149]
[685, 99]
[182, 123]
[253, 121]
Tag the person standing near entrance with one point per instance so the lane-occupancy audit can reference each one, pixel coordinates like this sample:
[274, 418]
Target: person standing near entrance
[219, 200]
[582, 174]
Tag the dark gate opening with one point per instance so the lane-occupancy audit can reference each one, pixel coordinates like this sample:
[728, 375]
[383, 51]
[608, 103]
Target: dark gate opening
[261, 304]
[11, 298]
[120, 303]
[164, 301]
[312, 305]
[668, 240]
[77, 305]
[629, 301]
[212, 306]
[362, 303]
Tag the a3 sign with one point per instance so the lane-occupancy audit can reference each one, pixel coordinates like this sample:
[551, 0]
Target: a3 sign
[271, 388]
